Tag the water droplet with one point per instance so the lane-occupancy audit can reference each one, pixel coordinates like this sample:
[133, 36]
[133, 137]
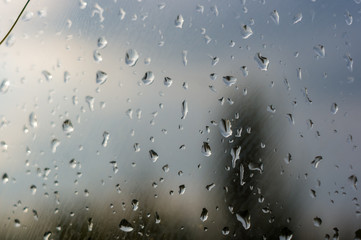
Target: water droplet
[244, 71]
[136, 147]
[245, 218]
[54, 144]
[97, 56]
[153, 155]
[101, 77]
[47, 75]
[33, 120]
[262, 62]
[317, 222]
[102, 42]
[297, 18]
[271, 108]
[4, 86]
[275, 17]
[66, 76]
[348, 18]
[47, 235]
[286, 234]
[131, 57]
[213, 76]
[157, 218]
[225, 231]
[290, 118]
[225, 128]
[165, 168]
[299, 73]
[122, 13]
[288, 159]
[215, 60]
[135, 204]
[90, 100]
[3, 146]
[5, 178]
[68, 126]
[72, 163]
[206, 149]
[246, 31]
[319, 50]
[182, 189]
[334, 108]
[200, 8]
[204, 215]
[179, 21]
[353, 180]
[349, 62]
[148, 78]
[235, 155]
[17, 223]
[184, 109]
[241, 174]
[106, 137]
[184, 56]
[168, 81]
[125, 226]
[210, 186]
[33, 189]
[316, 161]
[229, 80]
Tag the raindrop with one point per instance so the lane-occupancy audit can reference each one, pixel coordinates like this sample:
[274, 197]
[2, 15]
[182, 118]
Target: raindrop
[66, 76]
[200, 8]
[213, 76]
[349, 62]
[206, 149]
[97, 56]
[185, 60]
[68, 126]
[246, 31]
[204, 215]
[275, 17]
[122, 13]
[229, 80]
[184, 109]
[348, 18]
[290, 118]
[297, 18]
[90, 224]
[168, 81]
[47, 236]
[33, 120]
[135, 204]
[215, 60]
[136, 147]
[245, 218]
[353, 180]
[316, 161]
[54, 144]
[225, 231]
[131, 57]
[262, 62]
[271, 108]
[179, 21]
[299, 73]
[47, 75]
[148, 78]
[288, 158]
[317, 222]
[33, 189]
[101, 77]
[102, 42]
[182, 189]
[157, 218]
[235, 155]
[286, 234]
[153, 155]
[225, 128]
[244, 71]
[5, 178]
[4, 86]
[17, 223]
[72, 163]
[125, 226]
[210, 186]
[106, 137]
[27, 16]
[319, 50]
[334, 108]
[165, 168]
[241, 175]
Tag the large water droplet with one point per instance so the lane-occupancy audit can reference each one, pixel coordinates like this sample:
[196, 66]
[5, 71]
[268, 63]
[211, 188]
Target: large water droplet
[68, 126]
[229, 80]
[245, 218]
[262, 62]
[275, 17]
[246, 31]
[179, 21]
[225, 128]
[131, 57]
[125, 226]
[206, 149]
[204, 215]
[148, 78]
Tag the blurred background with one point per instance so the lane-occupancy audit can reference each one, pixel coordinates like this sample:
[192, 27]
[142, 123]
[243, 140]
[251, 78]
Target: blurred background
[125, 119]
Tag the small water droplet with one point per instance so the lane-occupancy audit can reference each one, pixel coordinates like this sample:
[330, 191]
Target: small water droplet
[106, 137]
[47, 235]
[33, 189]
[215, 60]
[334, 108]
[316, 161]
[271, 108]
[153, 155]
[5, 178]
[245, 218]
[33, 120]
[206, 149]
[182, 189]
[4, 86]
[204, 215]
[288, 158]
[101, 77]
[54, 144]
[225, 128]
[131, 57]
[290, 118]
[275, 17]
[225, 231]
[90, 100]
[17, 223]
[179, 21]
[157, 218]
[184, 56]
[68, 126]
[135, 204]
[148, 78]
[348, 18]
[262, 62]
[319, 51]
[97, 56]
[244, 71]
[246, 31]
[47, 75]
[229, 80]
[210, 186]
[102, 42]
[125, 226]
[349, 62]
[297, 18]
[168, 81]
[235, 151]
[353, 180]
[286, 234]
[184, 109]
[317, 222]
